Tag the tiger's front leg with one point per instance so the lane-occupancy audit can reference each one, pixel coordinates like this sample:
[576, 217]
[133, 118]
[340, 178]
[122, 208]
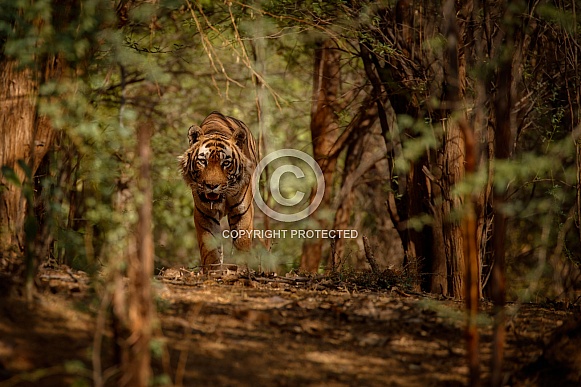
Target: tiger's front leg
[242, 220]
[207, 232]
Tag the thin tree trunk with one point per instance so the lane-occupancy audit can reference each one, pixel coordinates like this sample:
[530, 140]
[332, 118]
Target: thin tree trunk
[502, 146]
[471, 263]
[576, 118]
[355, 133]
[439, 267]
[482, 134]
[454, 140]
[263, 115]
[324, 132]
[136, 360]
[346, 198]
[578, 145]
[453, 239]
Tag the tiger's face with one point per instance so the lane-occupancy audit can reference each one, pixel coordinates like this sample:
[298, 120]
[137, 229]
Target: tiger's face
[215, 168]
[215, 165]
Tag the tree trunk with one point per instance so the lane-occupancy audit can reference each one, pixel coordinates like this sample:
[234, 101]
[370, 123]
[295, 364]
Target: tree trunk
[578, 146]
[136, 359]
[502, 145]
[324, 132]
[24, 137]
[18, 90]
[447, 259]
[483, 135]
[454, 242]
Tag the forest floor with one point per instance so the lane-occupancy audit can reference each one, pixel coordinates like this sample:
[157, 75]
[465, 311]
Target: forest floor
[245, 330]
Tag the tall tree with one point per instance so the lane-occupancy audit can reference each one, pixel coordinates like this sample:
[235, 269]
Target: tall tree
[324, 133]
[136, 356]
[26, 64]
[45, 48]
[415, 78]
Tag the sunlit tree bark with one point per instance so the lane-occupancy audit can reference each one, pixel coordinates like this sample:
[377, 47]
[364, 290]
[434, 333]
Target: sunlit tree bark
[25, 138]
[324, 133]
[136, 358]
[433, 252]
[18, 97]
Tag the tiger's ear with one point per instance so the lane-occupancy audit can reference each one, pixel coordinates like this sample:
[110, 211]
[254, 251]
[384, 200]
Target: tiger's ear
[194, 133]
[239, 137]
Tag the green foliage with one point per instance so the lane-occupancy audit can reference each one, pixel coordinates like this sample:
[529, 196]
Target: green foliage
[177, 64]
[89, 192]
[40, 28]
[415, 147]
[553, 15]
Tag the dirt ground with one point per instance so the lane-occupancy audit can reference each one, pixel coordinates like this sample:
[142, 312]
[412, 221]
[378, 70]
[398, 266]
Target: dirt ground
[272, 331]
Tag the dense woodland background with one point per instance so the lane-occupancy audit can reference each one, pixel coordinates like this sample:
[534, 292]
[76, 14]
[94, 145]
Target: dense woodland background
[448, 133]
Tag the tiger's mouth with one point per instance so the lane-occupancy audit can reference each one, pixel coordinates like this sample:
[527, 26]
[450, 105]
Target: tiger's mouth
[213, 196]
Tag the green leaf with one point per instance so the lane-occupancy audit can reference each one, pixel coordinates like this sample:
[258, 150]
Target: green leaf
[75, 367]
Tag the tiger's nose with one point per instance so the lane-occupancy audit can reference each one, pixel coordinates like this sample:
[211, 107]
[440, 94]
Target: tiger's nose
[211, 186]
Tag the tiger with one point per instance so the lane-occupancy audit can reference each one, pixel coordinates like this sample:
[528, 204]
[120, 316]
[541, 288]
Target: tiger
[218, 167]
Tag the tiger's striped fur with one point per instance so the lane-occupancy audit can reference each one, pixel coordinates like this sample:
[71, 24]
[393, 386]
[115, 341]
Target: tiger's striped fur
[218, 167]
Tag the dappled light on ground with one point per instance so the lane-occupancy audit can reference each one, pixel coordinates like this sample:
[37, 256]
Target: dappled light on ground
[248, 329]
